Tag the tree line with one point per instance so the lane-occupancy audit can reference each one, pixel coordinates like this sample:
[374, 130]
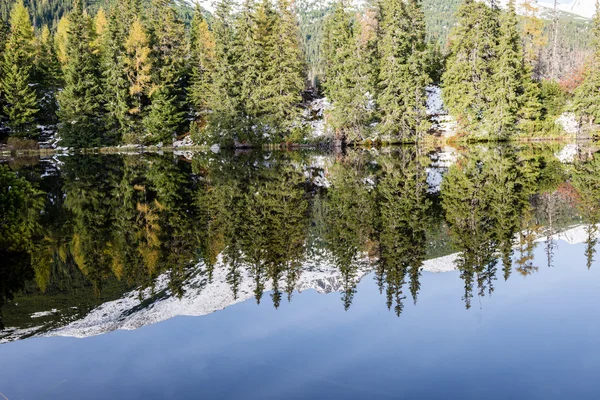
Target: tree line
[138, 75]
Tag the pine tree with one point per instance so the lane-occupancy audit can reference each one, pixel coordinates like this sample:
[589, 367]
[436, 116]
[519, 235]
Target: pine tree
[467, 81]
[403, 71]
[19, 96]
[47, 76]
[202, 60]
[283, 79]
[501, 114]
[138, 67]
[223, 100]
[80, 101]
[115, 82]
[587, 96]
[346, 84]
[169, 75]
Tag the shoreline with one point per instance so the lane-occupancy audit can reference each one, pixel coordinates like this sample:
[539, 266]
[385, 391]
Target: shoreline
[429, 142]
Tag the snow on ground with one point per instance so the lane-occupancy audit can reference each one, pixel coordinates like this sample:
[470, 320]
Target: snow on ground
[583, 8]
[435, 104]
[568, 121]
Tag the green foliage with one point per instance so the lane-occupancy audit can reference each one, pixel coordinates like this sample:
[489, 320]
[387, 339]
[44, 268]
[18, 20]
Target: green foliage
[20, 206]
[16, 80]
[403, 70]
[348, 81]
[553, 98]
[586, 102]
[470, 64]
[81, 108]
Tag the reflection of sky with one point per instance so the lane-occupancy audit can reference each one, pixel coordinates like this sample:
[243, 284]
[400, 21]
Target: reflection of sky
[535, 338]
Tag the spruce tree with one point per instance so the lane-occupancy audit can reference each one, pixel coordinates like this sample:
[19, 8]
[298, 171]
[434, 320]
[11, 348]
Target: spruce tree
[223, 100]
[115, 82]
[253, 29]
[169, 75]
[202, 63]
[501, 114]
[403, 75]
[467, 82]
[587, 96]
[80, 101]
[346, 84]
[16, 85]
[47, 76]
[283, 78]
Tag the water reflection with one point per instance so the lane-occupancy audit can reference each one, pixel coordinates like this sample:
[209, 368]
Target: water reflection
[81, 231]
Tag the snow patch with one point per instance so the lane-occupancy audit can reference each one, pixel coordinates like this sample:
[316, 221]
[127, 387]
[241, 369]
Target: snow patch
[567, 154]
[568, 122]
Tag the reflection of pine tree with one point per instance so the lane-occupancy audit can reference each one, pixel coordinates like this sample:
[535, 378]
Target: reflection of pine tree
[586, 180]
[259, 213]
[89, 188]
[402, 209]
[526, 245]
[348, 212]
[484, 199]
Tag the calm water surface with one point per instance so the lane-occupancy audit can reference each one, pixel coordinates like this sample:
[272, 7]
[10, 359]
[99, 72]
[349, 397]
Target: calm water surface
[404, 274]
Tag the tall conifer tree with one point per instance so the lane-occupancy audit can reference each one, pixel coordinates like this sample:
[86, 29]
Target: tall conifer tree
[587, 96]
[284, 77]
[202, 60]
[223, 99]
[138, 68]
[19, 96]
[116, 85]
[501, 114]
[403, 71]
[47, 76]
[345, 85]
[81, 109]
[166, 113]
[467, 81]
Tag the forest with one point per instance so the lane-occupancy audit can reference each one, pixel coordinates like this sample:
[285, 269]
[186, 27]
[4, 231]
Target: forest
[141, 72]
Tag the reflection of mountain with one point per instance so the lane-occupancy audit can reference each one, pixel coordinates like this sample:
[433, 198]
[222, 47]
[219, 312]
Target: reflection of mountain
[200, 297]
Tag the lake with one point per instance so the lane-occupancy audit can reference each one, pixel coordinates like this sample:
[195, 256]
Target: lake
[400, 273]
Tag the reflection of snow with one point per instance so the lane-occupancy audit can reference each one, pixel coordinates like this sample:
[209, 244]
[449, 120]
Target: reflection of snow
[567, 154]
[576, 235]
[434, 179]
[44, 313]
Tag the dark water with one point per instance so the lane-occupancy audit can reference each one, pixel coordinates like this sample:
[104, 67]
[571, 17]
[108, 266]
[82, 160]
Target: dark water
[406, 273]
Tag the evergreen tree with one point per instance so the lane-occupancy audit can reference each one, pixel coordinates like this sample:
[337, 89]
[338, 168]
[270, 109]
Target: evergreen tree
[47, 76]
[501, 114]
[346, 84]
[80, 101]
[16, 84]
[202, 63]
[283, 80]
[223, 99]
[587, 95]
[402, 98]
[115, 81]
[169, 72]
[467, 81]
